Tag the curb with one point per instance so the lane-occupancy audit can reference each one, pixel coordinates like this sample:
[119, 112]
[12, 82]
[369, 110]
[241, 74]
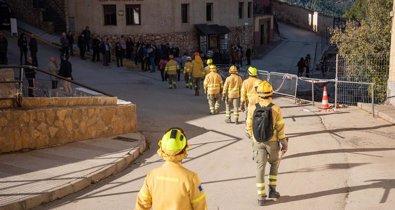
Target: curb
[82, 182]
[380, 114]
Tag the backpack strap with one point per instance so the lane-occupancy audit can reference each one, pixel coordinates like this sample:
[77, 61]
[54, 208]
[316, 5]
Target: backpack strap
[270, 105]
[257, 106]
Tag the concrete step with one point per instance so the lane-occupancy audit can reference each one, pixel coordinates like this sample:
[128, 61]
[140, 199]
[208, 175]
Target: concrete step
[28, 179]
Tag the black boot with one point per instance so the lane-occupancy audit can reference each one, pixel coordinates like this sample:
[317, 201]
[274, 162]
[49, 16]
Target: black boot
[273, 193]
[261, 202]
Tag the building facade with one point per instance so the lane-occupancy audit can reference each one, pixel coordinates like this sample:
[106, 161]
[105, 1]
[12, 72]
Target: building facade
[189, 24]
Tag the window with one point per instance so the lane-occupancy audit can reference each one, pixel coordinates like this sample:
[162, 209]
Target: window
[241, 7]
[209, 11]
[133, 14]
[184, 13]
[249, 10]
[110, 14]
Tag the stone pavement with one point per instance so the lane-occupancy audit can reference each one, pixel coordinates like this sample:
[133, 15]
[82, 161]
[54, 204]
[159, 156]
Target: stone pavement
[28, 179]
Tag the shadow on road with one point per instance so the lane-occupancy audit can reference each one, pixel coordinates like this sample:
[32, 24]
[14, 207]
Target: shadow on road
[385, 184]
[334, 131]
[320, 152]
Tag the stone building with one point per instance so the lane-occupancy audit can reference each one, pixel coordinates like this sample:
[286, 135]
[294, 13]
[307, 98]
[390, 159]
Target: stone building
[189, 24]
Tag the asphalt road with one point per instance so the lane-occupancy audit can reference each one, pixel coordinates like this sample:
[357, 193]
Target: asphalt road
[341, 160]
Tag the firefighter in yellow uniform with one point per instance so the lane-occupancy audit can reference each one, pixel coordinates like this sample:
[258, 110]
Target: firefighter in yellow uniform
[248, 89]
[197, 72]
[171, 186]
[267, 151]
[231, 94]
[171, 70]
[213, 85]
[207, 68]
[188, 72]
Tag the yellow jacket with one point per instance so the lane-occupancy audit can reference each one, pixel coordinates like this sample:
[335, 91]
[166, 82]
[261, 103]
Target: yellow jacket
[248, 90]
[232, 86]
[188, 67]
[213, 83]
[171, 187]
[197, 68]
[206, 70]
[171, 67]
[278, 121]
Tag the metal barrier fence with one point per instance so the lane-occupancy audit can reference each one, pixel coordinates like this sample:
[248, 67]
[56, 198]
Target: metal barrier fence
[44, 84]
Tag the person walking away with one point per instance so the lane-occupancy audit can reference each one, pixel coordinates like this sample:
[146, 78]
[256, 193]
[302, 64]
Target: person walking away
[188, 72]
[3, 49]
[33, 48]
[265, 127]
[23, 47]
[171, 71]
[66, 72]
[172, 178]
[96, 48]
[53, 68]
[247, 88]
[70, 38]
[30, 75]
[82, 45]
[197, 72]
[307, 61]
[129, 48]
[119, 54]
[65, 45]
[231, 94]
[87, 37]
[248, 56]
[207, 68]
[212, 86]
[162, 65]
[301, 64]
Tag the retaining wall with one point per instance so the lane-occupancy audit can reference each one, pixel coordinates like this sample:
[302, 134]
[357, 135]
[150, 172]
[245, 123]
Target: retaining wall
[45, 122]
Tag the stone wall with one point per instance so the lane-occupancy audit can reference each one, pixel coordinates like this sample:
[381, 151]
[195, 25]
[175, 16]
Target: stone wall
[25, 11]
[7, 90]
[43, 126]
[391, 76]
[299, 16]
[242, 35]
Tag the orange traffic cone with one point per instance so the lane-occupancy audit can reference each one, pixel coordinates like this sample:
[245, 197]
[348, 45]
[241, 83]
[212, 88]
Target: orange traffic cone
[325, 104]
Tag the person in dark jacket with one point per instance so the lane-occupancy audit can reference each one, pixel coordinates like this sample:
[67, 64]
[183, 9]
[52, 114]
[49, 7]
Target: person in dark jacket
[82, 45]
[3, 49]
[87, 37]
[119, 54]
[301, 65]
[248, 56]
[105, 49]
[96, 48]
[65, 71]
[33, 50]
[70, 38]
[30, 75]
[22, 44]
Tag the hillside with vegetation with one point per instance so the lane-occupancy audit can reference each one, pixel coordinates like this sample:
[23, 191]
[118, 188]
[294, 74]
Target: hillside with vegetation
[335, 8]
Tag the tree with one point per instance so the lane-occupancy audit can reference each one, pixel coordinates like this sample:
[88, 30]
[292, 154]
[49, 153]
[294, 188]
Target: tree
[367, 37]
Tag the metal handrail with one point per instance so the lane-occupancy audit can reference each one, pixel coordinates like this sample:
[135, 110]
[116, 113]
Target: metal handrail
[48, 73]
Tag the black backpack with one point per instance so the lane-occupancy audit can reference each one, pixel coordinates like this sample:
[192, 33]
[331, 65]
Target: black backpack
[263, 123]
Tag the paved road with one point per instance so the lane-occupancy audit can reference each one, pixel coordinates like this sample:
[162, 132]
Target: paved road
[338, 161]
[295, 44]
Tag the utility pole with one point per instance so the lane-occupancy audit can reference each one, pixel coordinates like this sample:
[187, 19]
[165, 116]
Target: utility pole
[391, 78]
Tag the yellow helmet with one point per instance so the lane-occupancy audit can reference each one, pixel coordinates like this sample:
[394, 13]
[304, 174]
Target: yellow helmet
[173, 142]
[213, 68]
[264, 90]
[209, 61]
[252, 71]
[233, 70]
